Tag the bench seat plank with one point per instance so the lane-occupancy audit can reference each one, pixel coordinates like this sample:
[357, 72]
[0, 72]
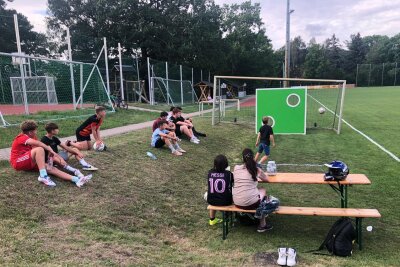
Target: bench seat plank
[315, 178]
[310, 211]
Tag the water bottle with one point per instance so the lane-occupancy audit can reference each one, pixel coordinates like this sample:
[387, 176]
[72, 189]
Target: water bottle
[151, 155]
[50, 163]
[271, 168]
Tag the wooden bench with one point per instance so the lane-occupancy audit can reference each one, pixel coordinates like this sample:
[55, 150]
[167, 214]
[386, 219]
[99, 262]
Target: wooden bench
[359, 214]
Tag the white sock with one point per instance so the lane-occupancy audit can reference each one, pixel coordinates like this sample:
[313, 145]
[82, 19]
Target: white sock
[83, 163]
[69, 168]
[172, 148]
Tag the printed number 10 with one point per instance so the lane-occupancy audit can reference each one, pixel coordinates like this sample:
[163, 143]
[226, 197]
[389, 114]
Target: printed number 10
[218, 185]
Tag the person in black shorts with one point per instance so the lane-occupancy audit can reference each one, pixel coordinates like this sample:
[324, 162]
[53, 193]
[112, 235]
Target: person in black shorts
[61, 157]
[219, 183]
[90, 126]
[264, 139]
[182, 126]
[161, 136]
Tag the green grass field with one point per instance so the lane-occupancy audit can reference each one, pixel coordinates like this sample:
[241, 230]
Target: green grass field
[137, 211]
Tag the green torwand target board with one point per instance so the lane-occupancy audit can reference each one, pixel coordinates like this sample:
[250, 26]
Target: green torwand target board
[285, 106]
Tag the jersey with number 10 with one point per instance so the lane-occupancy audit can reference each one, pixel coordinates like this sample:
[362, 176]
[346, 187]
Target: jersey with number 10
[219, 188]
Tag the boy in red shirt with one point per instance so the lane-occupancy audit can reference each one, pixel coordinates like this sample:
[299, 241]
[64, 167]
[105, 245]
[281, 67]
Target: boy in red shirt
[28, 154]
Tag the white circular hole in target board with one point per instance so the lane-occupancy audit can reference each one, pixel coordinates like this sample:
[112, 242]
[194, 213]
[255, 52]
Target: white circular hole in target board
[271, 121]
[293, 100]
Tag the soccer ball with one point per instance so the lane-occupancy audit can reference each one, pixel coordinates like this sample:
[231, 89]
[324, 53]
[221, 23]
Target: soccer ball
[321, 110]
[205, 196]
[97, 147]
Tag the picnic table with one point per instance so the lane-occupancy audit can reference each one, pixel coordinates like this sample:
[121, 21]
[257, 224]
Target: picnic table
[341, 187]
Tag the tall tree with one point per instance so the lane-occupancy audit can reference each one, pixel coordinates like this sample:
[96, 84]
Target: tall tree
[31, 41]
[316, 64]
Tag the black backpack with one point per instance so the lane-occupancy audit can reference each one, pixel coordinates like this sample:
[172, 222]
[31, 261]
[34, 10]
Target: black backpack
[339, 240]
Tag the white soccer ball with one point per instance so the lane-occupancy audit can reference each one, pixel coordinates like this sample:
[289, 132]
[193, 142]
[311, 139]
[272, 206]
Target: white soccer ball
[205, 196]
[99, 147]
[321, 110]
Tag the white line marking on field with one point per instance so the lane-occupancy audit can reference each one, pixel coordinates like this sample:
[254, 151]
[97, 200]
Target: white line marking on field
[358, 131]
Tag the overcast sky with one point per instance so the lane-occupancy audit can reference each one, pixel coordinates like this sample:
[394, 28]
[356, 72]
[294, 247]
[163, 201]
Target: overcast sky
[311, 18]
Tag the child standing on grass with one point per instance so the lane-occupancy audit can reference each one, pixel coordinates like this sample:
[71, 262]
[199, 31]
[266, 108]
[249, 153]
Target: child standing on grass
[264, 139]
[90, 126]
[51, 140]
[161, 136]
[28, 154]
[220, 183]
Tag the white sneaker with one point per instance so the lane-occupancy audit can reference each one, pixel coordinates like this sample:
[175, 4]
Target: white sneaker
[89, 168]
[194, 141]
[47, 181]
[282, 256]
[83, 180]
[291, 257]
[181, 150]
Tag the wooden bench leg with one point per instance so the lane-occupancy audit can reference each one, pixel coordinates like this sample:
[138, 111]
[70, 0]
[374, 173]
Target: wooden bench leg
[359, 232]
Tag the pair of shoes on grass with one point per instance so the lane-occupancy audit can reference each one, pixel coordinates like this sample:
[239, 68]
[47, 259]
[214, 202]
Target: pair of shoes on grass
[215, 221]
[287, 256]
[50, 183]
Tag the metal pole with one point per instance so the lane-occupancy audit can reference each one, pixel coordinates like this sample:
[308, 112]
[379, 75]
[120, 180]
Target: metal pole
[180, 70]
[106, 62]
[192, 87]
[209, 76]
[357, 76]
[167, 83]
[149, 81]
[138, 78]
[341, 107]
[201, 75]
[2, 86]
[287, 47]
[214, 99]
[383, 69]
[21, 67]
[81, 84]
[395, 74]
[369, 75]
[71, 69]
[121, 77]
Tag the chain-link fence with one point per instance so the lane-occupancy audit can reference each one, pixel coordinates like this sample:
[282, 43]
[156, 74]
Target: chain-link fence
[385, 74]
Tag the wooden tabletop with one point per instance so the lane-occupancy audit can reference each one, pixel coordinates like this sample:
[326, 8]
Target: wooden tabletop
[314, 178]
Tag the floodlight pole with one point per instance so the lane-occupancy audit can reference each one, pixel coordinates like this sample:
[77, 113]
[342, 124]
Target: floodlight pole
[106, 62]
[149, 81]
[71, 69]
[121, 77]
[21, 65]
[287, 47]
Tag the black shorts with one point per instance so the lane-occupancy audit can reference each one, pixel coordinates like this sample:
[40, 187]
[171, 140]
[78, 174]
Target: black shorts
[178, 131]
[159, 143]
[81, 138]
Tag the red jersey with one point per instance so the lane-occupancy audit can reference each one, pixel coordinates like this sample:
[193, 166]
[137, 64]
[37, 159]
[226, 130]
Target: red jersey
[155, 124]
[86, 128]
[19, 146]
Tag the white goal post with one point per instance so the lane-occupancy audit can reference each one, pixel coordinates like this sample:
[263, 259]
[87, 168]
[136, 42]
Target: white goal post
[337, 114]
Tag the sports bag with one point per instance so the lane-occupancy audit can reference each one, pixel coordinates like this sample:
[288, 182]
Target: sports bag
[339, 240]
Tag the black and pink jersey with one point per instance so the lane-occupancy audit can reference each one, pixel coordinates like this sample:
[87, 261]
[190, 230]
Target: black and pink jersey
[219, 188]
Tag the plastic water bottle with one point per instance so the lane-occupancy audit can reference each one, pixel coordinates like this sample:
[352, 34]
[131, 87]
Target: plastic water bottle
[151, 155]
[50, 163]
[271, 168]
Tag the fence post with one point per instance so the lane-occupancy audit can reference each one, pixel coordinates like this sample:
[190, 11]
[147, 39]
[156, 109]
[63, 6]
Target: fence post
[138, 79]
[180, 71]
[121, 77]
[167, 83]
[383, 69]
[209, 76]
[395, 74]
[71, 69]
[201, 75]
[21, 65]
[193, 88]
[81, 84]
[149, 81]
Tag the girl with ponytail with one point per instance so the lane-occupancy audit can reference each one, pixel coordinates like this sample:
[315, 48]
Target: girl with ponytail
[245, 193]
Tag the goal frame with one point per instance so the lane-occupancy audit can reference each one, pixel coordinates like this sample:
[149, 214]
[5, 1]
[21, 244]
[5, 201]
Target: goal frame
[343, 82]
